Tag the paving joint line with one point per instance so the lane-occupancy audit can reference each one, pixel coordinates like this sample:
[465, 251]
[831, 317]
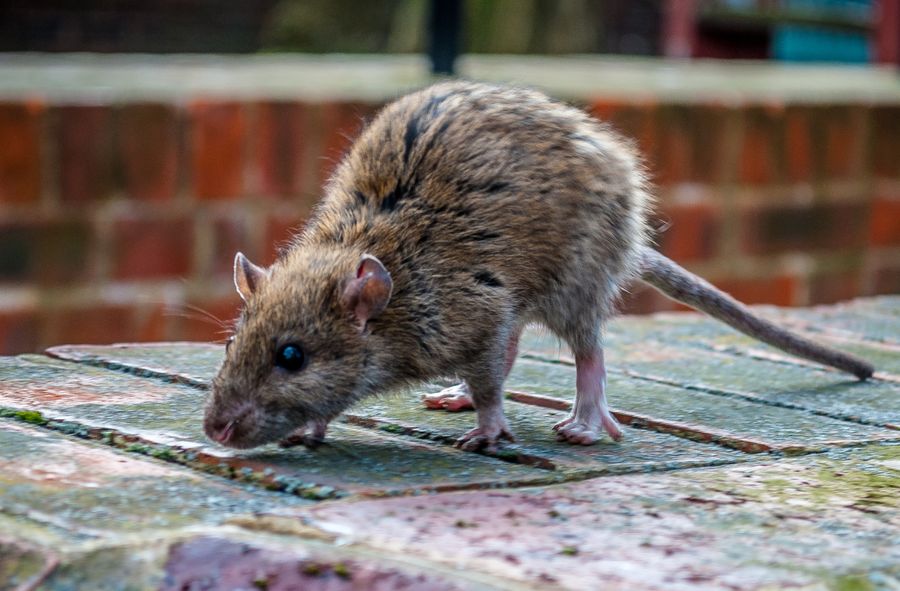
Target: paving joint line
[130, 369]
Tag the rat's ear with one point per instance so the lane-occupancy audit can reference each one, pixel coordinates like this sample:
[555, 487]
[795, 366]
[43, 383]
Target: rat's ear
[367, 293]
[247, 276]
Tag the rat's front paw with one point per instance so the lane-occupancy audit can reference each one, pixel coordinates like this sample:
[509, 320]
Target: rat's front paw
[484, 438]
[310, 436]
[453, 399]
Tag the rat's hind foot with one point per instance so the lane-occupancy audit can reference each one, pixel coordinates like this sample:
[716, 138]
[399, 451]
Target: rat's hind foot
[453, 399]
[481, 438]
[309, 436]
[580, 432]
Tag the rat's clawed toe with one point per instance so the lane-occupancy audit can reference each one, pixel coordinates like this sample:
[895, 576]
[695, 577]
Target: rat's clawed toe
[305, 439]
[310, 436]
[576, 433]
[453, 399]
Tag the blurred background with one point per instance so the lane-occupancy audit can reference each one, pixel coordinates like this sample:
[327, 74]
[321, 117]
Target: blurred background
[143, 142]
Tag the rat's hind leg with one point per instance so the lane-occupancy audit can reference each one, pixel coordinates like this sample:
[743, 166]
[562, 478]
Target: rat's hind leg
[458, 397]
[484, 377]
[591, 411]
[487, 395]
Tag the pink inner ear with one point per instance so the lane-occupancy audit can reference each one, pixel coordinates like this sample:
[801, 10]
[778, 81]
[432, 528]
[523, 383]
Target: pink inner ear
[369, 292]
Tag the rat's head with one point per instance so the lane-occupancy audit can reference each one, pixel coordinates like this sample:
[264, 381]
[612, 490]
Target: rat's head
[300, 350]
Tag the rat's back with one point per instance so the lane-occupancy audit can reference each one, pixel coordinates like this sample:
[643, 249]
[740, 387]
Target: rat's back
[494, 186]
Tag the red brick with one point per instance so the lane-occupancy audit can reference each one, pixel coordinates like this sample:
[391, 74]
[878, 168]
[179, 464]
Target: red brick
[279, 231]
[199, 326]
[45, 252]
[691, 231]
[19, 332]
[86, 154]
[155, 323]
[691, 144]
[281, 148]
[152, 248]
[798, 152]
[635, 119]
[839, 134]
[887, 280]
[231, 235]
[769, 230]
[834, 287]
[884, 229]
[643, 299]
[148, 142]
[762, 150]
[782, 290]
[96, 325]
[217, 149]
[885, 146]
[340, 122]
[20, 152]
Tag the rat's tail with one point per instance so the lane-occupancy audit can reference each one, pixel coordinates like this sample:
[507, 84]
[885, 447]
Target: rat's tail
[685, 287]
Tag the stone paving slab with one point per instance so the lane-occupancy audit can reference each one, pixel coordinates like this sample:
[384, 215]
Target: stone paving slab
[87, 491]
[77, 512]
[639, 451]
[194, 364]
[687, 351]
[236, 559]
[165, 420]
[772, 426]
[826, 521]
[682, 405]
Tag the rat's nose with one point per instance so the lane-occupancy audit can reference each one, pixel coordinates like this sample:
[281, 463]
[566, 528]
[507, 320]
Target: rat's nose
[222, 434]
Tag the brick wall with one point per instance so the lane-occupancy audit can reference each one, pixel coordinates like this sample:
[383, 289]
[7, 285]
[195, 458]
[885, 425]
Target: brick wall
[119, 221]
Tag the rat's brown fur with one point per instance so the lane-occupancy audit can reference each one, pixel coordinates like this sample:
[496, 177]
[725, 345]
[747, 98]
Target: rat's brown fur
[489, 207]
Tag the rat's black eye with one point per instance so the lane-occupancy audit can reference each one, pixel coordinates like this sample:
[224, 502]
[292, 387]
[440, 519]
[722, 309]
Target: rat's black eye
[290, 357]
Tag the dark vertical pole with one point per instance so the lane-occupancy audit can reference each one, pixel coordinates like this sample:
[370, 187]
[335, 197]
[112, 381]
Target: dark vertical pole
[444, 24]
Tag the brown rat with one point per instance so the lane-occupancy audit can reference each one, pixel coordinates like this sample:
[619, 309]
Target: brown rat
[462, 212]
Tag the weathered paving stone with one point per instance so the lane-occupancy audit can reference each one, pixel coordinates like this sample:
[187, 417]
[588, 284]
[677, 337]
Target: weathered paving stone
[231, 558]
[875, 319]
[686, 356]
[22, 565]
[779, 428]
[240, 565]
[536, 443]
[87, 490]
[825, 521]
[189, 363]
[165, 420]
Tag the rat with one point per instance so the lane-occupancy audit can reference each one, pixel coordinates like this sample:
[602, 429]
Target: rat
[462, 212]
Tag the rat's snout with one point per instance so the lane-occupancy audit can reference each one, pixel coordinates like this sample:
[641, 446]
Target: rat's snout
[225, 426]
